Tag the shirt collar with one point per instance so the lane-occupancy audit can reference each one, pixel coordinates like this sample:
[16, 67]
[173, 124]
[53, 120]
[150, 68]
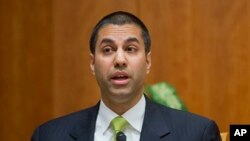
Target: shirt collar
[134, 116]
[105, 116]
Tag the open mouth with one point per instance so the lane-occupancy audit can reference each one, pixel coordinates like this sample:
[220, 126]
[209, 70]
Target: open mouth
[120, 78]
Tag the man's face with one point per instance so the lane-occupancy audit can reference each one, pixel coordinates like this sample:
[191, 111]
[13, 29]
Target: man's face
[120, 63]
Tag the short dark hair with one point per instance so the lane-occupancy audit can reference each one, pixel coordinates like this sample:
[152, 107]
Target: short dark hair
[120, 18]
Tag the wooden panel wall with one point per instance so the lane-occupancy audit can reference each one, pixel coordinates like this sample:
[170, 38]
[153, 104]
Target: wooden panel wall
[26, 67]
[200, 47]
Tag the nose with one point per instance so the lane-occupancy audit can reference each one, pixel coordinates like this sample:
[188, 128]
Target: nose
[120, 60]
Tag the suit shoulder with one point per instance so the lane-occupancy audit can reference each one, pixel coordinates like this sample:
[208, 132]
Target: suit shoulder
[71, 119]
[61, 128]
[182, 116]
[197, 125]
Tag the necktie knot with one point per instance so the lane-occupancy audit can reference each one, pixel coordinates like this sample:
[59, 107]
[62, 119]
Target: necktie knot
[119, 124]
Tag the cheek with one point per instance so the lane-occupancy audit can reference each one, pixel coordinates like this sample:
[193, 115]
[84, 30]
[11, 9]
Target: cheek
[102, 67]
[140, 67]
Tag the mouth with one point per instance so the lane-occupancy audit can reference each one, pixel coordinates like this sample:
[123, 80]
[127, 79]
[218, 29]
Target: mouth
[120, 78]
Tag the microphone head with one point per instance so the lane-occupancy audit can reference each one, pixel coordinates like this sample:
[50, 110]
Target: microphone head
[120, 136]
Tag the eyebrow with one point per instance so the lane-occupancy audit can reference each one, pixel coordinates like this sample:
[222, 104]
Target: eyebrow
[133, 39]
[107, 41]
[110, 41]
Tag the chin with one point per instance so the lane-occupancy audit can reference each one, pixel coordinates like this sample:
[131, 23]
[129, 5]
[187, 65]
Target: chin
[121, 95]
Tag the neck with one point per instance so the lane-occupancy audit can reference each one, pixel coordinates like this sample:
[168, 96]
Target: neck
[120, 107]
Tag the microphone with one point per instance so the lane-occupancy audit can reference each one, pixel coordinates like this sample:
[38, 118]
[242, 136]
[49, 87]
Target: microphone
[120, 136]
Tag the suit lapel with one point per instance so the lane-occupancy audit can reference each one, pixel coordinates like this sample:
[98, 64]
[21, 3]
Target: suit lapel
[84, 131]
[154, 126]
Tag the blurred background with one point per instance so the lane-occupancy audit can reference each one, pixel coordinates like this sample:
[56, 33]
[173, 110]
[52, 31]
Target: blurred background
[201, 47]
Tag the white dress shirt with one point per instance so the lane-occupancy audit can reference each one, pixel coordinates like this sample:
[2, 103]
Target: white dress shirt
[134, 116]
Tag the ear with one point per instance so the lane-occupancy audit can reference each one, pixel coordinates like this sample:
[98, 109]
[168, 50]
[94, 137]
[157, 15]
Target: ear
[92, 63]
[148, 61]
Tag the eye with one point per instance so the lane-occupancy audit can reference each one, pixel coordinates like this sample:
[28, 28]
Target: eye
[131, 49]
[107, 50]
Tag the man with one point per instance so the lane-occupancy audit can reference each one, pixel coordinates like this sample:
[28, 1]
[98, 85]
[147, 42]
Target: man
[120, 60]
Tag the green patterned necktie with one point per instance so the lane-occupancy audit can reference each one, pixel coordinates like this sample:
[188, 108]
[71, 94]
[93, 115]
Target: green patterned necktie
[118, 124]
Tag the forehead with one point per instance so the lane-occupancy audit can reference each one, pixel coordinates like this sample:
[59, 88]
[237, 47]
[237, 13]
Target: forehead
[120, 31]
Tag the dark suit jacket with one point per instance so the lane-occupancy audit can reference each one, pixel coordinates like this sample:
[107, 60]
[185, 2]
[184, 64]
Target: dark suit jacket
[160, 124]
